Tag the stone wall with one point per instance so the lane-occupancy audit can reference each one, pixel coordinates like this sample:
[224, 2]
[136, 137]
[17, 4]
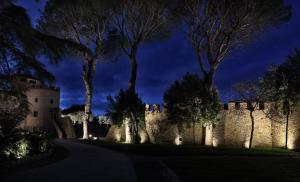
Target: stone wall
[43, 106]
[116, 134]
[158, 130]
[67, 127]
[294, 129]
[233, 129]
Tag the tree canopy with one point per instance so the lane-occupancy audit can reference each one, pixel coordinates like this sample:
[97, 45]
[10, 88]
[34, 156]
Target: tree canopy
[281, 86]
[138, 22]
[127, 106]
[86, 23]
[189, 101]
[21, 45]
[215, 28]
[282, 82]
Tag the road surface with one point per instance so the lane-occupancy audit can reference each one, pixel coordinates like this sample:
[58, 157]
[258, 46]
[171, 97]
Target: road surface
[85, 163]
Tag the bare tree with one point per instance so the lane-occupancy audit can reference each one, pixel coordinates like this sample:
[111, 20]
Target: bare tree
[139, 21]
[87, 24]
[215, 28]
[249, 92]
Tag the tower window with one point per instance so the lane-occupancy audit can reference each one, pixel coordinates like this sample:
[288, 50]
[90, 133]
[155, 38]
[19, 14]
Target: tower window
[36, 100]
[35, 114]
[51, 101]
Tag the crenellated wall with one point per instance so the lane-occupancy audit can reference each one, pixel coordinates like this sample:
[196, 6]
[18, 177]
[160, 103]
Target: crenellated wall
[233, 129]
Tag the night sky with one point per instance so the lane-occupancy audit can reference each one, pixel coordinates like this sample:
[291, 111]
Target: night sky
[161, 63]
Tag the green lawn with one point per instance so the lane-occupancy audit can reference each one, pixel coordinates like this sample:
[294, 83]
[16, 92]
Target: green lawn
[198, 163]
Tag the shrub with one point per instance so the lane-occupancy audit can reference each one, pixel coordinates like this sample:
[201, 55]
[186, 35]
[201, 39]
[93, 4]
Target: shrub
[43, 145]
[18, 149]
[23, 143]
[38, 142]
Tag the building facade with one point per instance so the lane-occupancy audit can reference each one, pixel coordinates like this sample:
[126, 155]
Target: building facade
[43, 102]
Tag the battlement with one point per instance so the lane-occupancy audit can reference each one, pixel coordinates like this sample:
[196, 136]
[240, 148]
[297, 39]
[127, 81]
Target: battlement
[242, 105]
[232, 105]
[30, 82]
[154, 108]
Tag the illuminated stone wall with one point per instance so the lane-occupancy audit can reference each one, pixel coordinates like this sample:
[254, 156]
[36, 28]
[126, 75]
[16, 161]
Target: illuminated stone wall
[232, 130]
[43, 104]
[66, 125]
[116, 134]
[158, 129]
[235, 127]
[294, 130]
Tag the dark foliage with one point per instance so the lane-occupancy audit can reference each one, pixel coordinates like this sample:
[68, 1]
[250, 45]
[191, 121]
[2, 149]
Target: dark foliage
[73, 109]
[281, 86]
[283, 82]
[19, 144]
[216, 28]
[190, 101]
[21, 44]
[127, 106]
[13, 107]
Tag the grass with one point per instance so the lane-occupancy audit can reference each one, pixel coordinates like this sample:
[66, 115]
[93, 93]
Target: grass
[198, 163]
[188, 150]
[235, 168]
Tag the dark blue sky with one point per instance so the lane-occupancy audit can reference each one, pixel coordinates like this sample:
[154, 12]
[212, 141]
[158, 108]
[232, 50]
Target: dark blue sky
[161, 63]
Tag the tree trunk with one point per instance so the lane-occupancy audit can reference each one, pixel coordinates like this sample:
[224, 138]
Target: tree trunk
[252, 129]
[287, 130]
[209, 78]
[133, 74]
[203, 135]
[194, 142]
[88, 106]
[136, 134]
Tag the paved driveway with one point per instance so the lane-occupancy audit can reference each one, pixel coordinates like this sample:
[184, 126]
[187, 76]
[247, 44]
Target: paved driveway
[85, 163]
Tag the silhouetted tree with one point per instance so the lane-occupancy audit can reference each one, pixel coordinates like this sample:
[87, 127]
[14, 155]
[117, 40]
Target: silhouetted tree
[190, 101]
[73, 108]
[21, 44]
[13, 107]
[140, 21]
[127, 106]
[215, 28]
[20, 47]
[87, 24]
[281, 86]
